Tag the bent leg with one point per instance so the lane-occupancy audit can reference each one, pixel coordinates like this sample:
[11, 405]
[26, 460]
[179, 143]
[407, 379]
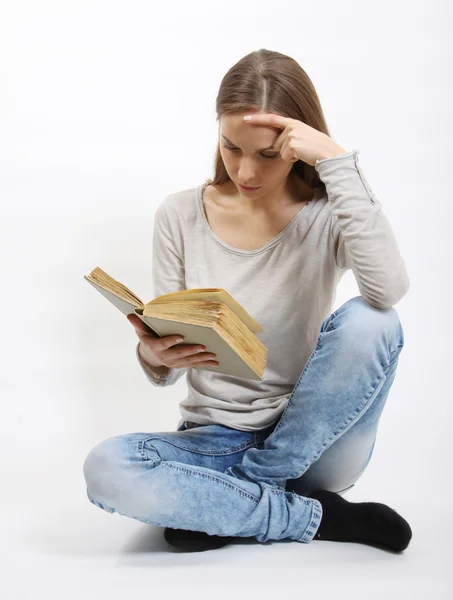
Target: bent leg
[342, 464]
[139, 475]
[352, 366]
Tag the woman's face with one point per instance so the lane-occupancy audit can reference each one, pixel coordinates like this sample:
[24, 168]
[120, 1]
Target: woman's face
[247, 157]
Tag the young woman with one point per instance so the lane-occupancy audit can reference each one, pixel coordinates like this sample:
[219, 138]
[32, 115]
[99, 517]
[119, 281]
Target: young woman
[288, 212]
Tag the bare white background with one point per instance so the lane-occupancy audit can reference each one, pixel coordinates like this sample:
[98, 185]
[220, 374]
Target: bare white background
[105, 108]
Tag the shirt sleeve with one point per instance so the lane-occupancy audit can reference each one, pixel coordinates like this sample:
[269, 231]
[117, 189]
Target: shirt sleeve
[363, 237]
[168, 276]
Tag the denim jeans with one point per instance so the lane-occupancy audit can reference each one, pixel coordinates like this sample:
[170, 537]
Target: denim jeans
[227, 482]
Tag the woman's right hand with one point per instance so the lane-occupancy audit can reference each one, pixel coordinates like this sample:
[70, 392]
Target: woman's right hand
[167, 352]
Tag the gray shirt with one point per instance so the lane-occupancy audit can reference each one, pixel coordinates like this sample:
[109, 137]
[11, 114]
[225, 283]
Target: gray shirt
[288, 285]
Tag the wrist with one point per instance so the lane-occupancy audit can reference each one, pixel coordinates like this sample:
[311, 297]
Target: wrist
[331, 150]
[146, 360]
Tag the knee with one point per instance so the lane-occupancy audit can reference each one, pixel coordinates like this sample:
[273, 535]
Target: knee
[363, 319]
[105, 468]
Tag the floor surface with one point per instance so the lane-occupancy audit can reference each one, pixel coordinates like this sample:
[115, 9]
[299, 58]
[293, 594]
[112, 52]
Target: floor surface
[55, 544]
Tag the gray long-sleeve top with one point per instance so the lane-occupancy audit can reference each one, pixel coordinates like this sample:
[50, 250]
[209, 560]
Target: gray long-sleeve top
[288, 285]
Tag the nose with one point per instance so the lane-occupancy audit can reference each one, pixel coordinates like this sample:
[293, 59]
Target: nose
[247, 172]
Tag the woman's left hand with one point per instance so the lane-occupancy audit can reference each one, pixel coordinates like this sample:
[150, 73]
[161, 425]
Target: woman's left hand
[298, 141]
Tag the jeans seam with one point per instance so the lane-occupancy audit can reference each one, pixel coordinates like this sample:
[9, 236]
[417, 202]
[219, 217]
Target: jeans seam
[144, 456]
[194, 473]
[314, 521]
[346, 425]
[234, 450]
[318, 344]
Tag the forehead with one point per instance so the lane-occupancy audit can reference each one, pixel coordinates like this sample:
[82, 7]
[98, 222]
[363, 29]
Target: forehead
[239, 131]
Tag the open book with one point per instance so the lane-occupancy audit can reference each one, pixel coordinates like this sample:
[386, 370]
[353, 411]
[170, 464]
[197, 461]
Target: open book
[207, 316]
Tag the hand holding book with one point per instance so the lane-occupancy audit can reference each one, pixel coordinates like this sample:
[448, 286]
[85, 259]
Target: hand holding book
[207, 317]
[166, 351]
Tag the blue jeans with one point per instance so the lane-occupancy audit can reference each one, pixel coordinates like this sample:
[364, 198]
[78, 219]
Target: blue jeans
[227, 482]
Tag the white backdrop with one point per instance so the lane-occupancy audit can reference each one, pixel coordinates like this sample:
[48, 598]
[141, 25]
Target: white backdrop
[107, 107]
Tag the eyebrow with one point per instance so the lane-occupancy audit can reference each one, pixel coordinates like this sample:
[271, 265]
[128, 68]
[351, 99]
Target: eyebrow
[229, 142]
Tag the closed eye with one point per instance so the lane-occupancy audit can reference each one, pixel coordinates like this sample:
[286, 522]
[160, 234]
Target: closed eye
[233, 148]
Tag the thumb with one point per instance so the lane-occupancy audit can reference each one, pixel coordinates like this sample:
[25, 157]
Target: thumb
[140, 327]
[132, 319]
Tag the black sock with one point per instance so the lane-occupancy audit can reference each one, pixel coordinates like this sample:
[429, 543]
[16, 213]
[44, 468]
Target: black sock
[194, 541]
[363, 522]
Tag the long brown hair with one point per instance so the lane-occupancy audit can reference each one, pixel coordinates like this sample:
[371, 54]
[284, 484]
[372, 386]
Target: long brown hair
[270, 82]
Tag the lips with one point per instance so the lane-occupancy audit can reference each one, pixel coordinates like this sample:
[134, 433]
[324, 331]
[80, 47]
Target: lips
[251, 189]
